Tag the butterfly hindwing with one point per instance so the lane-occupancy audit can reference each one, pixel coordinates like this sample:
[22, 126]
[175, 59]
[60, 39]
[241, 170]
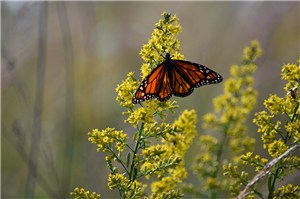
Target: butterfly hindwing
[155, 85]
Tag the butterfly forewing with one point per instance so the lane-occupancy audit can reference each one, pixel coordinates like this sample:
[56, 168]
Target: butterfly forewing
[165, 90]
[155, 85]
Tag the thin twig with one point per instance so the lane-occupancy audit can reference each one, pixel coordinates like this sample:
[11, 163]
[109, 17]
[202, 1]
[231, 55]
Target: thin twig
[266, 171]
[36, 130]
[20, 148]
[69, 130]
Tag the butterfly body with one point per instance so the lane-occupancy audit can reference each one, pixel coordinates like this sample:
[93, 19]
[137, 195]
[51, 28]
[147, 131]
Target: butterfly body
[174, 77]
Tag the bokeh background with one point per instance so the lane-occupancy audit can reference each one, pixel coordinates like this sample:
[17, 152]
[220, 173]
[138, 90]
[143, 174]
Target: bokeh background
[61, 63]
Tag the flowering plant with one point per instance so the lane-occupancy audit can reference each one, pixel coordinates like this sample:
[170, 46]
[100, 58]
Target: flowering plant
[231, 111]
[163, 161]
[288, 140]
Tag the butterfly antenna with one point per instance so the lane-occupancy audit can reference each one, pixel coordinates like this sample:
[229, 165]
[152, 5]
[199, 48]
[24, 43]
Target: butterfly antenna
[165, 57]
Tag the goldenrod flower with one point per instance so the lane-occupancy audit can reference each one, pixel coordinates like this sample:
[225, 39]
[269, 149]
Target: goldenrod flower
[232, 109]
[288, 106]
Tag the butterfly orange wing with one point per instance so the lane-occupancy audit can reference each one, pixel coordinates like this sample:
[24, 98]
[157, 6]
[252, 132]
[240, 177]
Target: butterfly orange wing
[155, 85]
[186, 76]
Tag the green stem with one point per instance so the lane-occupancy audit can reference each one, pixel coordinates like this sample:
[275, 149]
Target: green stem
[115, 155]
[129, 147]
[212, 192]
[150, 136]
[272, 185]
[137, 145]
[295, 112]
[153, 170]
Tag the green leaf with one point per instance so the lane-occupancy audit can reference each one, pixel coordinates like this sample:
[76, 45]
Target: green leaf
[128, 159]
[134, 173]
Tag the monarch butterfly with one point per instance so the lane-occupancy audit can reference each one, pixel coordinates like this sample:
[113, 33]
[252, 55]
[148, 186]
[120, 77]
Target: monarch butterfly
[174, 77]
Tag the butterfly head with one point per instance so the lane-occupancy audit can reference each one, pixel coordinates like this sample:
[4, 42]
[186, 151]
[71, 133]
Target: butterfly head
[167, 56]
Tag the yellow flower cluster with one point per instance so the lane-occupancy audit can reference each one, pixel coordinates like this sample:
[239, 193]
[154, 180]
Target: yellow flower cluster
[155, 131]
[277, 148]
[166, 183]
[235, 104]
[294, 129]
[126, 91]
[241, 178]
[252, 53]
[275, 104]
[211, 183]
[154, 152]
[132, 189]
[288, 192]
[291, 72]
[84, 194]
[165, 160]
[288, 106]
[105, 138]
[206, 162]
[175, 145]
[164, 39]
[209, 143]
[142, 114]
[268, 129]
[146, 114]
[186, 131]
[118, 181]
[167, 195]
[256, 162]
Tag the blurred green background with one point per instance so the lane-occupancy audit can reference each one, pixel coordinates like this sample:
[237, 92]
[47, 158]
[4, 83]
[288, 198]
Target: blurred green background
[61, 63]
